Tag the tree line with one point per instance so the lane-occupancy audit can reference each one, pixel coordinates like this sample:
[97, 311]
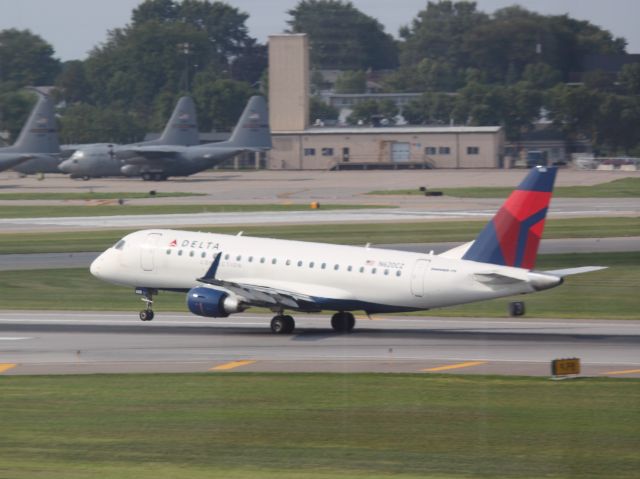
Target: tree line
[471, 68]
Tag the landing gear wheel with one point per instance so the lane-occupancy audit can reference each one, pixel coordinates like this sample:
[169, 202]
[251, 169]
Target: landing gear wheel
[282, 324]
[343, 322]
[516, 308]
[146, 315]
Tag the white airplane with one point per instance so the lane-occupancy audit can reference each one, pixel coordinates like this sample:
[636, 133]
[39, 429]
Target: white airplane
[223, 274]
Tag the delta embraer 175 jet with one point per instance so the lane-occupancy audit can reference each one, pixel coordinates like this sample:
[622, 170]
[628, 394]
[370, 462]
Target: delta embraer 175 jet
[223, 274]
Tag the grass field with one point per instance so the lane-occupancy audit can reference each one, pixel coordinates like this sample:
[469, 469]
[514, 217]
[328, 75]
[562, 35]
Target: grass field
[354, 233]
[621, 188]
[610, 293]
[49, 211]
[90, 195]
[223, 425]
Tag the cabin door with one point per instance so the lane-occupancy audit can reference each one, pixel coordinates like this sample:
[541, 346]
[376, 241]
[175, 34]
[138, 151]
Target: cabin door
[147, 251]
[417, 277]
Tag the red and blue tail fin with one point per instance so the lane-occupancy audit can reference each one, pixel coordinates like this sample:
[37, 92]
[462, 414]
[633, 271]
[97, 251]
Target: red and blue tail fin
[512, 237]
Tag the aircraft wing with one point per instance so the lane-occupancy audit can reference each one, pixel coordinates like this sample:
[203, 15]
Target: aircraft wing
[257, 295]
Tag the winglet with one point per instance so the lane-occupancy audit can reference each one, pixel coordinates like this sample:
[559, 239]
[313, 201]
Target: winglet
[210, 275]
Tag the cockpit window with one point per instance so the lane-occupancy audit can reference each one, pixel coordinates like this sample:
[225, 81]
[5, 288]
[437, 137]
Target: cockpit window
[119, 245]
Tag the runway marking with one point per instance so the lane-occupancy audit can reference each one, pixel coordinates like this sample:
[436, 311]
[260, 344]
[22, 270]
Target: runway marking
[231, 365]
[13, 339]
[628, 371]
[6, 366]
[447, 367]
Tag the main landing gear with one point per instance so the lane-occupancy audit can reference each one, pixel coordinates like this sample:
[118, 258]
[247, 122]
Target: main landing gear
[341, 322]
[147, 296]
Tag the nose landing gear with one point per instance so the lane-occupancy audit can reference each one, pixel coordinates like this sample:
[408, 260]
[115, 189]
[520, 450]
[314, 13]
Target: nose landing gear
[147, 296]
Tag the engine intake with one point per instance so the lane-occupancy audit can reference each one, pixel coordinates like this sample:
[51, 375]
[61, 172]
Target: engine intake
[212, 303]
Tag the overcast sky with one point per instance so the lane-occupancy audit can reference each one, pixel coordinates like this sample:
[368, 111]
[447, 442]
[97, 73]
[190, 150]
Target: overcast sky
[74, 27]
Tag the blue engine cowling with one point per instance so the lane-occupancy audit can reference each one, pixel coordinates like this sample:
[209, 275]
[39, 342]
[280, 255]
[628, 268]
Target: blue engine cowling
[211, 302]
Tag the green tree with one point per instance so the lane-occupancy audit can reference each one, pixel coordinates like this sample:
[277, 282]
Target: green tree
[574, 109]
[26, 59]
[15, 106]
[72, 84]
[629, 78]
[373, 112]
[430, 109]
[342, 37]
[83, 123]
[438, 33]
[220, 101]
[319, 110]
[351, 82]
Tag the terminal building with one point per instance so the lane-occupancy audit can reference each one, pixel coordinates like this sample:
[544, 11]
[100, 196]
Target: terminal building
[297, 146]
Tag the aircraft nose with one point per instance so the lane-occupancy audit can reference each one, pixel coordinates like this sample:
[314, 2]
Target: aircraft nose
[96, 266]
[65, 166]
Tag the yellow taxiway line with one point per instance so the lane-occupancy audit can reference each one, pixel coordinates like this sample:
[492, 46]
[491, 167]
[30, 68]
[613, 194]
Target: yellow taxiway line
[231, 365]
[448, 367]
[628, 371]
[6, 366]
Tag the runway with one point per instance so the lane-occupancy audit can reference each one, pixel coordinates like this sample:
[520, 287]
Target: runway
[78, 343]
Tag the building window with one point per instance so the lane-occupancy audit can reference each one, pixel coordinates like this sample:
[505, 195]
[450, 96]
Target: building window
[327, 152]
[473, 150]
[345, 154]
[444, 150]
[429, 150]
[309, 152]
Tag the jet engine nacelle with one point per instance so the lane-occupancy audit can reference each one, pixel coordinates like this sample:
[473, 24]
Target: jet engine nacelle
[130, 170]
[212, 303]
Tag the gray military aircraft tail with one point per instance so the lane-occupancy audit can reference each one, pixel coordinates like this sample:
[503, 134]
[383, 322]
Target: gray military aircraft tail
[182, 127]
[158, 162]
[105, 159]
[37, 149]
[252, 131]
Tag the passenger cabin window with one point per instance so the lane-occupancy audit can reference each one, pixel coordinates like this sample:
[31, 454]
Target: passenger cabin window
[336, 267]
[226, 256]
[361, 269]
[238, 258]
[168, 251]
[191, 253]
[274, 261]
[311, 264]
[262, 260]
[323, 265]
[179, 252]
[299, 263]
[373, 270]
[398, 273]
[349, 268]
[203, 254]
[250, 259]
[288, 262]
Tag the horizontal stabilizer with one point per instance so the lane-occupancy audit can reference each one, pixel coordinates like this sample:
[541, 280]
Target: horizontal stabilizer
[570, 271]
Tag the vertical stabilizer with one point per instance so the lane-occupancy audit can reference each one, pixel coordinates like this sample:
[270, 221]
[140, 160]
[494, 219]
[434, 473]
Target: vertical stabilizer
[40, 133]
[182, 128]
[512, 236]
[252, 130]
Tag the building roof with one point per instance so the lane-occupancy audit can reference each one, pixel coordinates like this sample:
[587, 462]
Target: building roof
[408, 130]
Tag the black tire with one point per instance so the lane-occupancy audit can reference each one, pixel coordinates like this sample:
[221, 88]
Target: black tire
[282, 324]
[144, 315]
[342, 322]
[516, 308]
